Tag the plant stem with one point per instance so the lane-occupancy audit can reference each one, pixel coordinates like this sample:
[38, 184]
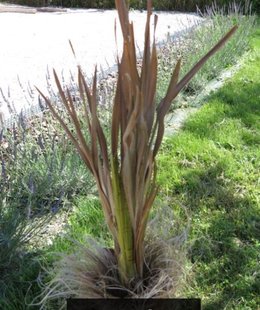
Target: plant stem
[126, 257]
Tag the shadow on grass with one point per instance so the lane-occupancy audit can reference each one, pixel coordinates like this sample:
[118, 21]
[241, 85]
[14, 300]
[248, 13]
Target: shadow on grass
[237, 101]
[243, 98]
[227, 243]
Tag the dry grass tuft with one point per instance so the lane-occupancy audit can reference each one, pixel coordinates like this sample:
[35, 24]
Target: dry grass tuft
[92, 272]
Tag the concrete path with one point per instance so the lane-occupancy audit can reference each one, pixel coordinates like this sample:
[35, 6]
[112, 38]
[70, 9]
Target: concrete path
[31, 43]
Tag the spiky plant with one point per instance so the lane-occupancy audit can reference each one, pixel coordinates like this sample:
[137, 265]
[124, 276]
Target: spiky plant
[125, 173]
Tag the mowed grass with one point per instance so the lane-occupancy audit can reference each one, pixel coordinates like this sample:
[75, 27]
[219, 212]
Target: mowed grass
[212, 167]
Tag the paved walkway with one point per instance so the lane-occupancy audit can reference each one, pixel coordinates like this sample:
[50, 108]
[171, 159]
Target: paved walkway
[31, 43]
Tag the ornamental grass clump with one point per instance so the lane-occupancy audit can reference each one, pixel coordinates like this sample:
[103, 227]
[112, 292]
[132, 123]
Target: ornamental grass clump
[125, 173]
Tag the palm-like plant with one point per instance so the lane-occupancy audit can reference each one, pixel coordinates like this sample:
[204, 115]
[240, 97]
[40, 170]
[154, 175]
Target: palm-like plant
[126, 173]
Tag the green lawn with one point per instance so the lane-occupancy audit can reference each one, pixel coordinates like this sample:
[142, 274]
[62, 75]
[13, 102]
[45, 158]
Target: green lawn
[212, 168]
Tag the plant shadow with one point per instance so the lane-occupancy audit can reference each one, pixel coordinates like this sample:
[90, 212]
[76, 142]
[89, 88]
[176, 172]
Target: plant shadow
[227, 243]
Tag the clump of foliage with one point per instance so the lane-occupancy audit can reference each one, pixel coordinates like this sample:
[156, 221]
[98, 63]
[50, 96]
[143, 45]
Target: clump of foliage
[198, 40]
[124, 168]
[36, 172]
[18, 265]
